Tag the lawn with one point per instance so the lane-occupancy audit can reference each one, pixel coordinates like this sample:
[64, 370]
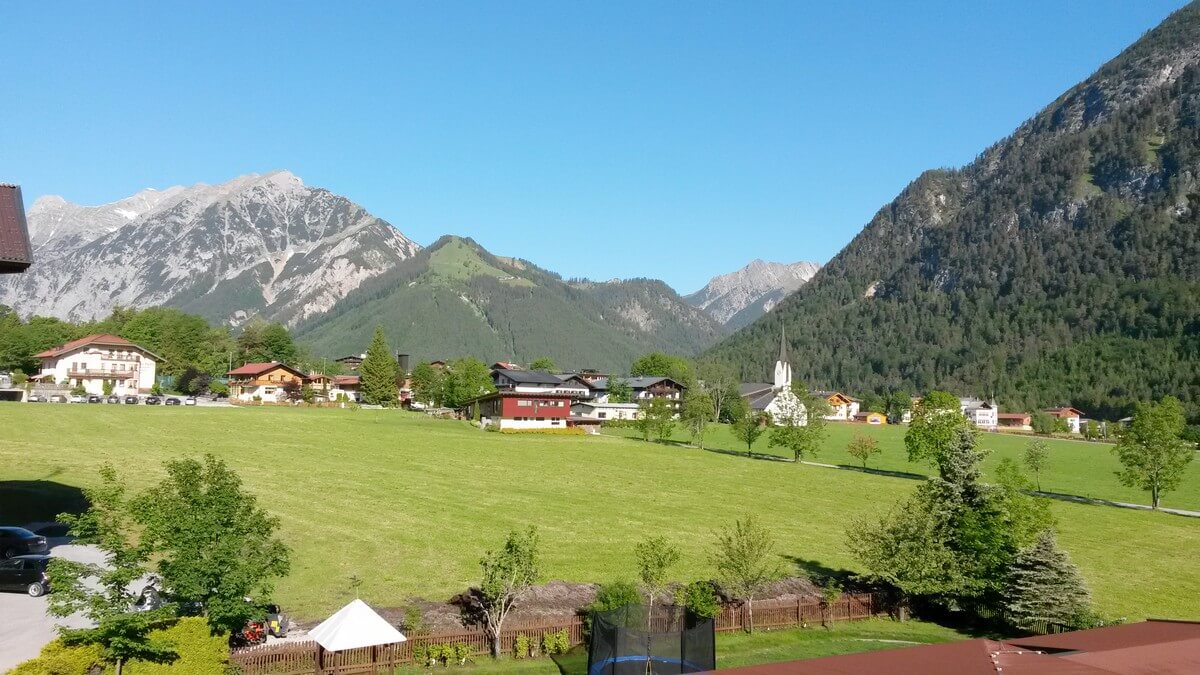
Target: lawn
[738, 649]
[409, 504]
[1073, 467]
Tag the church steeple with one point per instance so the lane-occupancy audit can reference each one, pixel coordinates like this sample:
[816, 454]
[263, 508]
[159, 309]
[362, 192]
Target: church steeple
[783, 369]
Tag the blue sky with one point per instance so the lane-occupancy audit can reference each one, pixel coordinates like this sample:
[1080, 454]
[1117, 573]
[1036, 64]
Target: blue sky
[668, 139]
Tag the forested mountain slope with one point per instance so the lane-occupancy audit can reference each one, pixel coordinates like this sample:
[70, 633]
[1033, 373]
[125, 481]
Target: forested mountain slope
[456, 299]
[1061, 266]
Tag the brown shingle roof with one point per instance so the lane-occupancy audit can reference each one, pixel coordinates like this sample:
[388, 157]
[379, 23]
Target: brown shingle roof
[15, 253]
[98, 339]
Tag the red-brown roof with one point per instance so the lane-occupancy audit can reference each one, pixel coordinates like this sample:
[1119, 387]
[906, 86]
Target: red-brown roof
[253, 369]
[98, 339]
[1065, 412]
[343, 380]
[1150, 647]
[15, 252]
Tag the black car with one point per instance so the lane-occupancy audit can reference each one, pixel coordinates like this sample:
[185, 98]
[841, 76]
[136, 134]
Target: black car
[20, 541]
[95, 399]
[131, 400]
[113, 399]
[173, 401]
[25, 573]
[153, 400]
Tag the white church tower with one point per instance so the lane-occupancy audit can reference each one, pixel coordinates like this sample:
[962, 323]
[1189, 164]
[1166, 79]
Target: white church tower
[783, 369]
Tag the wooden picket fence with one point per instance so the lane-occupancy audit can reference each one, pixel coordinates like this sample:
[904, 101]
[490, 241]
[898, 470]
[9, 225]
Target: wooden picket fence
[302, 658]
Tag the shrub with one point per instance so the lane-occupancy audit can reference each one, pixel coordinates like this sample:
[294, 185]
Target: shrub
[200, 653]
[414, 622]
[522, 647]
[78, 390]
[556, 642]
[58, 659]
[567, 431]
[700, 598]
[442, 654]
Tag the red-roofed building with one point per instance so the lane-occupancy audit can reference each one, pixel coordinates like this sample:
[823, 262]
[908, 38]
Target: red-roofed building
[1070, 415]
[262, 381]
[1150, 647]
[15, 252]
[345, 385]
[92, 361]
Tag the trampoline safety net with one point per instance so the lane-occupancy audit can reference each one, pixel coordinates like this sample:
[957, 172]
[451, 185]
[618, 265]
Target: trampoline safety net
[634, 640]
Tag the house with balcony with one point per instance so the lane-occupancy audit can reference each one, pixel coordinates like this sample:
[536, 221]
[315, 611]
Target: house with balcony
[1071, 416]
[842, 408]
[267, 382]
[537, 382]
[983, 414]
[521, 411]
[96, 360]
[345, 385]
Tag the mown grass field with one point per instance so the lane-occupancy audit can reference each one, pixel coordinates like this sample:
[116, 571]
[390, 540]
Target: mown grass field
[1073, 466]
[409, 504]
[738, 649]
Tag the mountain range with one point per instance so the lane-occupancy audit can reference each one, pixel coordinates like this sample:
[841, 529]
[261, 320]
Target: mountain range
[1062, 266]
[270, 247]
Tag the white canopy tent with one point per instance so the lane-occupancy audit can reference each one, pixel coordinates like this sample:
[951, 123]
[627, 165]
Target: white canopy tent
[353, 626]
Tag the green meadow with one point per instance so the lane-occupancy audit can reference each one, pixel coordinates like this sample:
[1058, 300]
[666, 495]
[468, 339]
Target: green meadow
[409, 504]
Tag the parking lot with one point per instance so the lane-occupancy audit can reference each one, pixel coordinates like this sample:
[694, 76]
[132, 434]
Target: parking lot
[25, 627]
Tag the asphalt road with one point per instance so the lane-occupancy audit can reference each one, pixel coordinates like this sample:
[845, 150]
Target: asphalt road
[25, 627]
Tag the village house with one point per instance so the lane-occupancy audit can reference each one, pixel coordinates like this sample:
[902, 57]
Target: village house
[92, 361]
[648, 387]
[871, 418]
[1017, 421]
[345, 385]
[605, 411]
[842, 408]
[1070, 415]
[15, 252]
[515, 410]
[263, 382]
[537, 382]
[983, 414]
[776, 398]
[350, 362]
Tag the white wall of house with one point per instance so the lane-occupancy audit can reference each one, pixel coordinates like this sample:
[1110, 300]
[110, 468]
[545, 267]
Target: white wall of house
[844, 412]
[337, 392]
[271, 393]
[606, 411]
[528, 423]
[983, 417]
[130, 370]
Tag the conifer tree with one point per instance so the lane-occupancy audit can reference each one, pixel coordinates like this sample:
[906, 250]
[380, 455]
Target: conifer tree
[1045, 586]
[377, 374]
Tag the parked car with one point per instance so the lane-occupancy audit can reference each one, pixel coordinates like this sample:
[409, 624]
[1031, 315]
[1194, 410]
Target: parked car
[20, 541]
[131, 400]
[153, 400]
[58, 398]
[25, 573]
[113, 399]
[35, 398]
[191, 400]
[171, 400]
[95, 399]
[78, 398]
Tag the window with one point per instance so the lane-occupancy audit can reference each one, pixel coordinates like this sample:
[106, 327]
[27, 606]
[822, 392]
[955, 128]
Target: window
[602, 415]
[555, 422]
[524, 403]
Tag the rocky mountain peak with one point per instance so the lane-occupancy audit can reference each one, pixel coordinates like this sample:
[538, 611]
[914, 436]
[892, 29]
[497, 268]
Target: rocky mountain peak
[740, 297]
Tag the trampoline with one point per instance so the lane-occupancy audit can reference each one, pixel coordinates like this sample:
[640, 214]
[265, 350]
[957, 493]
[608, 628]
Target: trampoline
[635, 640]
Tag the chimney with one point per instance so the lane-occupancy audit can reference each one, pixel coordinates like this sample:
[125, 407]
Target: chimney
[402, 361]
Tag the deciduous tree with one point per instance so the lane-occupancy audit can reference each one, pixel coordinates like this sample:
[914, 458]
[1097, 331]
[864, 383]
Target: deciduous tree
[1151, 449]
[105, 593]
[214, 545]
[543, 363]
[507, 575]
[655, 556]
[428, 384]
[1036, 455]
[749, 427]
[935, 424]
[863, 448]
[696, 415]
[746, 561]
[619, 390]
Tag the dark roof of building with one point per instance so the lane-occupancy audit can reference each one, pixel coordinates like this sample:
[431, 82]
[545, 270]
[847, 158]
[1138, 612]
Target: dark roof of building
[106, 339]
[644, 382]
[529, 376]
[1160, 647]
[15, 252]
[748, 388]
[759, 403]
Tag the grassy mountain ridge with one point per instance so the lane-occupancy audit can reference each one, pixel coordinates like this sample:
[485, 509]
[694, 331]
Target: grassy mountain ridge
[457, 299]
[1062, 266]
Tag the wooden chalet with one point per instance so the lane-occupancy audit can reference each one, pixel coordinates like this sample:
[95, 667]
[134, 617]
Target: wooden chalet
[263, 381]
[16, 255]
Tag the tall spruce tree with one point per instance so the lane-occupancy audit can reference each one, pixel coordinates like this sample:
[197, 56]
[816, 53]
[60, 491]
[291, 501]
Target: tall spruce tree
[377, 374]
[1044, 586]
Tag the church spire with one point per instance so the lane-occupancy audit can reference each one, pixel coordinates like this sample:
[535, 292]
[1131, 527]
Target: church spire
[783, 357]
[783, 369]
